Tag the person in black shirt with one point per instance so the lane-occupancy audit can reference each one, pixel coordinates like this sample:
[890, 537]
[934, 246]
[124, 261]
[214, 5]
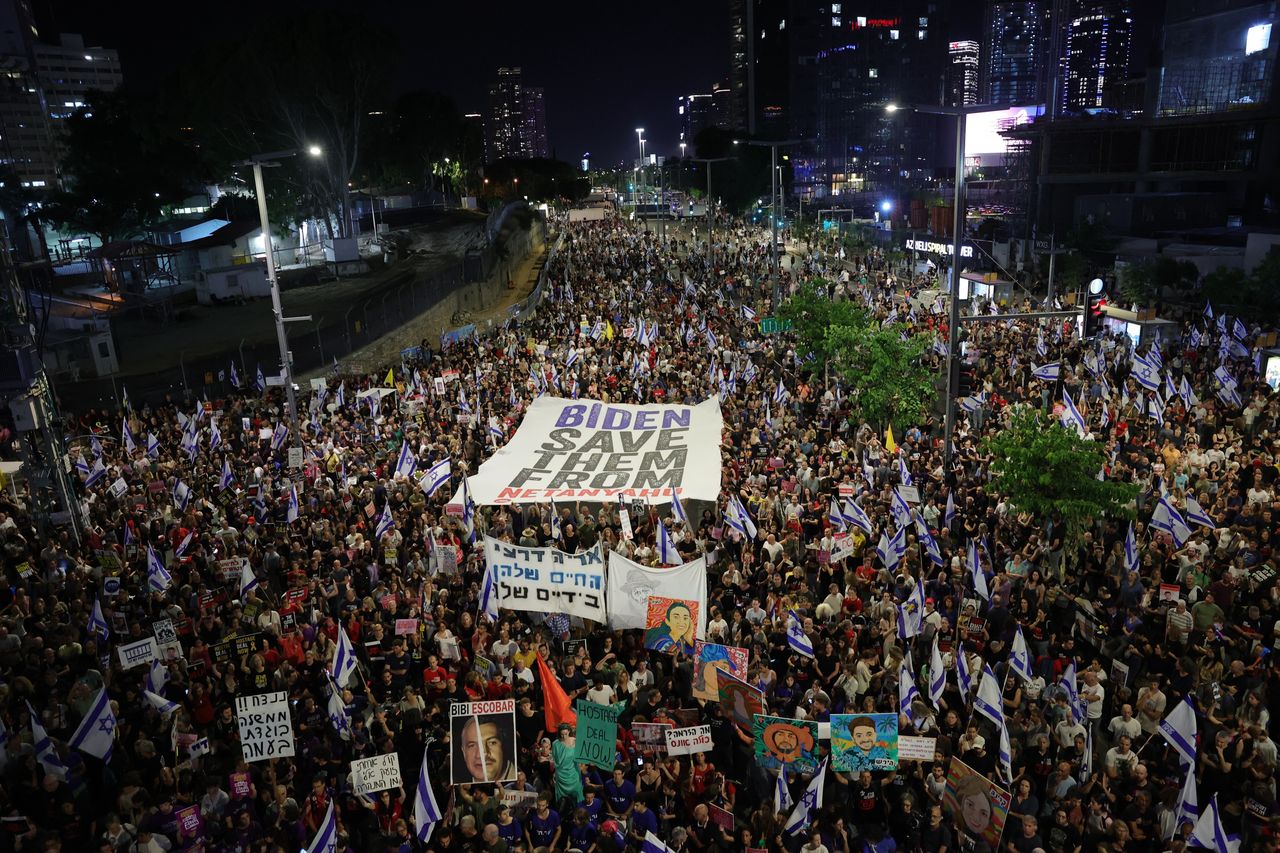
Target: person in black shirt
[936, 835]
[1061, 835]
[868, 801]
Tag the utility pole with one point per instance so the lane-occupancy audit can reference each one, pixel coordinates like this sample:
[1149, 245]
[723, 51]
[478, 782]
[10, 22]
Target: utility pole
[708, 161]
[773, 212]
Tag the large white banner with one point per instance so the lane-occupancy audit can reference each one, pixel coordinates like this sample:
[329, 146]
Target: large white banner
[631, 584]
[547, 580]
[585, 450]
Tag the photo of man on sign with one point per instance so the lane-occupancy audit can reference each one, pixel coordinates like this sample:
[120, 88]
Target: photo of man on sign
[483, 742]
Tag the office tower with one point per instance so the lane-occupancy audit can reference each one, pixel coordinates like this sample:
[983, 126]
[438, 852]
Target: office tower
[68, 72]
[533, 143]
[1015, 51]
[962, 73]
[1096, 59]
[516, 126]
[1218, 56]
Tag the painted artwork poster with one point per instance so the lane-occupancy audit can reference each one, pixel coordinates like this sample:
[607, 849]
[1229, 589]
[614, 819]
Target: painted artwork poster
[671, 625]
[712, 659]
[864, 742]
[981, 805]
[742, 701]
[783, 742]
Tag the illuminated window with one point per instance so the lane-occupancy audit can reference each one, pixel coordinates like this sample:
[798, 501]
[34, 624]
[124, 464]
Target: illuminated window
[835, 9]
[1258, 37]
[922, 34]
[835, 20]
[893, 35]
[782, 25]
[862, 21]
[924, 22]
[873, 72]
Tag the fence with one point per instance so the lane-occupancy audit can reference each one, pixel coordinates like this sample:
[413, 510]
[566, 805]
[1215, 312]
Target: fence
[401, 299]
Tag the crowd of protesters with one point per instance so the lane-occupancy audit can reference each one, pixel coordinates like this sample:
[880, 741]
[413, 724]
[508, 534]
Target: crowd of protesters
[1192, 618]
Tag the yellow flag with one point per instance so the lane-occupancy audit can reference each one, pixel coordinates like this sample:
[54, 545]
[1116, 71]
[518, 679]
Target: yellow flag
[390, 381]
[608, 330]
[889, 444]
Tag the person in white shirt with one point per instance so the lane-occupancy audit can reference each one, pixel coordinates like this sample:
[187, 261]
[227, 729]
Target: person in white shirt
[600, 692]
[716, 626]
[1120, 759]
[1125, 724]
[1092, 693]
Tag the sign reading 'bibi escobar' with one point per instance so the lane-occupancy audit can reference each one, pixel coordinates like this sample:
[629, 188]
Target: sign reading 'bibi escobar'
[584, 450]
[546, 580]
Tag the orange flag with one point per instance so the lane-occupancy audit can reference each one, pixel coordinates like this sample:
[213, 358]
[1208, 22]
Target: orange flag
[556, 702]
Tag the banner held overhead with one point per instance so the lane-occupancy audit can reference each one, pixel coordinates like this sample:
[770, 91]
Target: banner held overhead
[585, 450]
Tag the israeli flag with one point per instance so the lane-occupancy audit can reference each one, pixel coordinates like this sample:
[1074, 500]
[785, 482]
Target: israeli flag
[1041, 349]
[344, 659]
[96, 734]
[855, 515]
[903, 474]
[963, 677]
[436, 477]
[1196, 515]
[796, 637]
[805, 812]
[468, 510]
[1005, 751]
[1188, 811]
[153, 446]
[572, 359]
[1071, 417]
[1146, 373]
[97, 623]
[1179, 729]
[1239, 331]
[326, 837]
[907, 690]
[227, 477]
[779, 393]
[1020, 656]
[235, 377]
[384, 525]
[1209, 832]
[677, 511]
[834, 516]
[337, 711]
[158, 676]
[1078, 706]
[667, 553]
[930, 544]
[888, 556]
[426, 814]
[937, 675]
[712, 343]
[279, 434]
[158, 577]
[911, 613]
[248, 580]
[407, 463]
[1167, 518]
[987, 701]
[126, 436]
[748, 313]
[901, 509]
[737, 518]
[46, 752]
[259, 383]
[292, 510]
[181, 550]
[1130, 550]
[1047, 372]
[96, 473]
[161, 704]
[489, 593]
[1230, 396]
[949, 514]
[215, 436]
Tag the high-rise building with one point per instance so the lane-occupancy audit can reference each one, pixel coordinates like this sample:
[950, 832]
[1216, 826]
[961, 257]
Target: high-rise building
[1219, 55]
[516, 125]
[1016, 48]
[1096, 57]
[533, 141]
[68, 72]
[962, 73]
[741, 62]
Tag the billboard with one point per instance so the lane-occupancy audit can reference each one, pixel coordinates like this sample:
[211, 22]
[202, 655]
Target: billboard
[982, 140]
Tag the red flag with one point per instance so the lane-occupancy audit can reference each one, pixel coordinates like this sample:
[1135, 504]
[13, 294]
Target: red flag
[556, 702]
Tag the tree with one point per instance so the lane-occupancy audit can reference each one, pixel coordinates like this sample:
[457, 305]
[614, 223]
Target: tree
[889, 382]
[125, 161]
[1050, 471]
[812, 313]
[1136, 283]
[1225, 285]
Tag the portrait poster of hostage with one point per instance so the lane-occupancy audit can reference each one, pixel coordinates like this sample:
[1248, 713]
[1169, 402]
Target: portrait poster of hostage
[482, 741]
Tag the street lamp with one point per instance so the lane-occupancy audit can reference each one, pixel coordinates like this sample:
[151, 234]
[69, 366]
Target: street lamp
[640, 139]
[773, 208]
[286, 360]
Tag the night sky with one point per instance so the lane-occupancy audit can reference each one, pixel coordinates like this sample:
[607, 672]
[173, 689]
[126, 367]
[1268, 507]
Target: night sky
[606, 69]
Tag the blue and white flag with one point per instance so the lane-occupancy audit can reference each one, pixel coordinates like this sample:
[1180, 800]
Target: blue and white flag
[1145, 373]
[796, 637]
[748, 313]
[1077, 705]
[1239, 331]
[126, 436]
[964, 677]
[1167, 518]
[1047, 372]
[278, 435]
[926, 539]
[259, 382]
[97, 623]
[468, 509]
[970, 404]
[1179, 729]
[900, 508]
[384, 525]
[326, 837]
[158, 577]
[779, 393]
[667, 553]
[407, 462]
[855, 515]
[1041, 349]
[937, 675]
[1005, 752]
[1230, 396]
[248, 580]
[907, 690]
[888, 556]
[181, 550]
[96, 733]
[1130, 549]
[215, 436]
[835, 517]
[1188, 811]
[1209, 832]
[911, 613]
[737, 518]
[97, 472]
[426, 814]
[292, 510]
[1197, 515]
[806, 810]
[1020, 656]
[153, 446]
[489, 593]
[235, 377]
[677, 511]
[161, 704]
[158, 676]
[1071, 417]
[336, 710]
[651, 843]
[987, 701]
[344, 659]
[904, 475]
[949, 514]
[975, 571]
[436, 477]
[46, 752]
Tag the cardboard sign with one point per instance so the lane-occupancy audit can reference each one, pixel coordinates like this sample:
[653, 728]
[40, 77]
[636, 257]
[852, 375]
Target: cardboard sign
[597, 733]
[916, 748]
[137, 654]
[520, 802]
[240, 785]
[847, 490]
[1170, 592]
[118, 488]
[190, 823]
[406, 626]
[379, 773]
[910, 494]
[689, 740]
[266, 728]
[651, 737]
[842, 547]
[1119, 674]
[164, 631]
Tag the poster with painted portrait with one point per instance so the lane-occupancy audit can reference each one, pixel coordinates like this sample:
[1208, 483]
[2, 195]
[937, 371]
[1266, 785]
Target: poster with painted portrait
[740, 700]
[710, 660]
[783, 742]
[671, 625]
[980, 805]
[864, 742]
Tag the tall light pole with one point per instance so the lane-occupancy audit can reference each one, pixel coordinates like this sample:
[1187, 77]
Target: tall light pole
[773, 209]
[640, 139]
[286, 359]
[708, 161]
